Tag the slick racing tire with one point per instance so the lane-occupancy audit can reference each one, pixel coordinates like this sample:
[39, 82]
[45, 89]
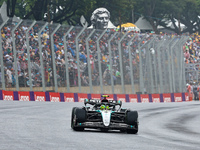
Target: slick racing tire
[132, 119]
[78, 116]
[72, 116]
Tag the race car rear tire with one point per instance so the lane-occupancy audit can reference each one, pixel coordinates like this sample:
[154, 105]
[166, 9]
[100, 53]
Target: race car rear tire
[72, 116]
[132, 119]
[78, 116]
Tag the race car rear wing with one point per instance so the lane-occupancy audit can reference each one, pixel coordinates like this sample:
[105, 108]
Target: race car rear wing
[98, 101]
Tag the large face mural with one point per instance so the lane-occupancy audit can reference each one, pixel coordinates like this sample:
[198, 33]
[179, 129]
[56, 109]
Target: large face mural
[100, 19]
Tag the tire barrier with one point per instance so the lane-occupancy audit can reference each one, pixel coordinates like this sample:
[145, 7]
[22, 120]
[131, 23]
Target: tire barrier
[79, 97]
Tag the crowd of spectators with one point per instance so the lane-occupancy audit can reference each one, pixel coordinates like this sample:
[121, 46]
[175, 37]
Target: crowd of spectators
[191, 55]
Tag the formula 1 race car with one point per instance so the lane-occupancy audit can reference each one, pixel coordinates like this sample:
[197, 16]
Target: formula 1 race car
[104, 115]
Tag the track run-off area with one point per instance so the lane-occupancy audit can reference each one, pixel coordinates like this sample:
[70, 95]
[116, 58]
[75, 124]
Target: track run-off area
[46, 125]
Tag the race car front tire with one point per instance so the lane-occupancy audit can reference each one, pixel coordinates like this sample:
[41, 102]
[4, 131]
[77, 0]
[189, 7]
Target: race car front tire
[78, 116]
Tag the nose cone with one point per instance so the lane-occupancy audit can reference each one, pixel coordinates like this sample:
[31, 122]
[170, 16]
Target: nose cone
[106, 115]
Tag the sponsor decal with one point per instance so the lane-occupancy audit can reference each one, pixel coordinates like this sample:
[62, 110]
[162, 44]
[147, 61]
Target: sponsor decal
[144, 98]
[156, 98]
[54, 97]
[69, 97]
[121, 97]
[24, 96]
[187, 98]
[8, 95]
[81, 97]
[178, 97]
[39, 96]
[133, 98]
[167, 98]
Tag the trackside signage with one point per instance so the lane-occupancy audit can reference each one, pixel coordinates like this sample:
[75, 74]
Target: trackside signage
[40, 96]
[79, 97]
[24, 96]
[178, 97]
[155, 98]
[187, 97]
[167, 97]
[69, 97]
[133, 98]
[54, 97]
[82, 96]
[144, 98]
[121, 97]
[8, 95]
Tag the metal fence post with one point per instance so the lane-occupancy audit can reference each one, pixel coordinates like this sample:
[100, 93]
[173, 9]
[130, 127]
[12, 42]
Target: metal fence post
[131, 64]
[77, 57]
[159, 65]
[66, 59]
[99, 60]
[15, 54]
[1, 58]
[28, 53]
[41, 60]
[140, 65]
[53, 58]
[150, 65]
[110, 60]
[172, 64]
[155, 67]
[169, 65]
[182, 70]
[178, 70]
[121, 65]
[88, 61]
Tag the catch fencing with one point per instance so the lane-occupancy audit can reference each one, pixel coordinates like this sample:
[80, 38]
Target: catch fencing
[39, 56]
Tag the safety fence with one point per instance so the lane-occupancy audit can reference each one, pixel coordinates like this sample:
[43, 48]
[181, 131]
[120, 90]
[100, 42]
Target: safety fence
[79, 97]
[192, 73]
[38, 56]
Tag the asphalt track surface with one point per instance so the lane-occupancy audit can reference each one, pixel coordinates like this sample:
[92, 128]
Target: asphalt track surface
[46, 126]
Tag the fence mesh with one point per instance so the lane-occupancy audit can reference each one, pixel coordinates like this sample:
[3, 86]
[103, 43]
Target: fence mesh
[38, 56]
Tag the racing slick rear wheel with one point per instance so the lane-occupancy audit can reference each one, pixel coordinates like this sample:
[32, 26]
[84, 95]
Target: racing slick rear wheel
[132, 119]
[78, 116]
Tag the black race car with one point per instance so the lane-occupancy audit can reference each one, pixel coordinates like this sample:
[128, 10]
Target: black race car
[104, 115]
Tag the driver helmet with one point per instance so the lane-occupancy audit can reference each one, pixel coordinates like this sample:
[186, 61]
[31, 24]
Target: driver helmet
[107, 107]
[103, 107]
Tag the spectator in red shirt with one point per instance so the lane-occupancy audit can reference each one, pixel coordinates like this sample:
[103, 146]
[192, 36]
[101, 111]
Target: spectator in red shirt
[187, 54]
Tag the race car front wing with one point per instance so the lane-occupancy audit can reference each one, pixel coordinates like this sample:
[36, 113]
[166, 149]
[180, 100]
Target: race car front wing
[112, 126]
